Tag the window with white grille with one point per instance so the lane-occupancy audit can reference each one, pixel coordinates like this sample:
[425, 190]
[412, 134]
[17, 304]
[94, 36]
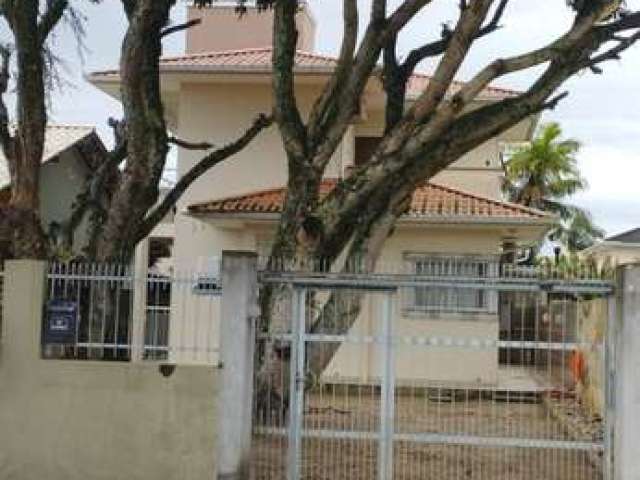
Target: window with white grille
[472, 269]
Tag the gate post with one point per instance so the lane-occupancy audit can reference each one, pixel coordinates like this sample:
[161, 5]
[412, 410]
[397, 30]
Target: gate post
[387, 390]
[627, 385]
[239, 309]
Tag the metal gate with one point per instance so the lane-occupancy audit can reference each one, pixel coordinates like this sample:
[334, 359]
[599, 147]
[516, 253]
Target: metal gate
[443, 373]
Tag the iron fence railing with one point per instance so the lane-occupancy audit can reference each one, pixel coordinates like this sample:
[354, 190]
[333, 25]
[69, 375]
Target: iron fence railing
[350, 383]
[107, 312]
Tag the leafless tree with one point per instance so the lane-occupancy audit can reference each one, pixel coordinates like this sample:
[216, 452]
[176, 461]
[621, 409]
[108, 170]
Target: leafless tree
[420, 139]
[122, 195]
[31, 23]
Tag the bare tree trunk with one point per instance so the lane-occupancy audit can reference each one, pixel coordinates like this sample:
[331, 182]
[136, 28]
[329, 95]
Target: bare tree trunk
[336, 316]
[24, 147]
[146, 131]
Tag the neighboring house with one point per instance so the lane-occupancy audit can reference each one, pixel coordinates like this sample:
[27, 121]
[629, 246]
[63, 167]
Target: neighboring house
[621, 249]
[214, 91]
[70, 154]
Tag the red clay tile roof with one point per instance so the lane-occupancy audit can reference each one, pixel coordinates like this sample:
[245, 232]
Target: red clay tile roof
[430, 202]
[258, 60]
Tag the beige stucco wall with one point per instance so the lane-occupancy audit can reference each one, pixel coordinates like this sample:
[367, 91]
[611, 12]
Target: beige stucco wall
[67, 420]
[220, 112]
[419, 364]
[357, 362]
[223, 29]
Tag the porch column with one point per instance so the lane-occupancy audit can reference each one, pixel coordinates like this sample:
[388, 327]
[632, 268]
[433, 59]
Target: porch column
[237, 340]
[626, 404]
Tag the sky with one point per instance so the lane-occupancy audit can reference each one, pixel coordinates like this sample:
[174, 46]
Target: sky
[602, 111]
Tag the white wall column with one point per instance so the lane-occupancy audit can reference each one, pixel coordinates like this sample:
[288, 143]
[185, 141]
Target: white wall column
[627, 386]
[139, 317]
[237, 340]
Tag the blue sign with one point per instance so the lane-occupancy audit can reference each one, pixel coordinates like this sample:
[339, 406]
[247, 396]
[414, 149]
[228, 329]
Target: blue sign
[62, 318]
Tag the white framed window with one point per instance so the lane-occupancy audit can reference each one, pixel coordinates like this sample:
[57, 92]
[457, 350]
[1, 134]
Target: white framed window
[451, 299]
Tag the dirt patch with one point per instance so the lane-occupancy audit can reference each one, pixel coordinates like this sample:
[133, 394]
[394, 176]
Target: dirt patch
[463, 414]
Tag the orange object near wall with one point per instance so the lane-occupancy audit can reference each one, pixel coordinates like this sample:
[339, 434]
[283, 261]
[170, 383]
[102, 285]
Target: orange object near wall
[578, 366]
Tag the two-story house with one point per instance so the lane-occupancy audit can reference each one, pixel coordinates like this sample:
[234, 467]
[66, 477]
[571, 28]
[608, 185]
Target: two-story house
[223, 81]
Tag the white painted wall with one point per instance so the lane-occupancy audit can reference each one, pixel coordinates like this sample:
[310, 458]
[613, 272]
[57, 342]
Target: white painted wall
[61, 181]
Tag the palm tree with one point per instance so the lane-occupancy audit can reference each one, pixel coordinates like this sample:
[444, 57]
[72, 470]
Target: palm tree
[543, 175]
[578, 233]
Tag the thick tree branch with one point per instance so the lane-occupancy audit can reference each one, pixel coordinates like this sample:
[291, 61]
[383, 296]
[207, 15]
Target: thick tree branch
[212, 159]
[461, 40]
[54, 12]
[180, 27]
[439, 144]
[578, 39]
[376, 37]
[325, 105]
[378, 10]
[402, 15]
[6, 140]
[612, 53]
[190, 145]
[438, 47]
[286, 109]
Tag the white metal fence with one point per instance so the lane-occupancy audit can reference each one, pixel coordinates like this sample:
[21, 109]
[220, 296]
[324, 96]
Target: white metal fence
[483, 380]
[107, 312]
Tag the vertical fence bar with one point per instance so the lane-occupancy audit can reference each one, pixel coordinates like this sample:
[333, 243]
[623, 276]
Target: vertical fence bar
[296, 383]
[609, 379]
[387, 391]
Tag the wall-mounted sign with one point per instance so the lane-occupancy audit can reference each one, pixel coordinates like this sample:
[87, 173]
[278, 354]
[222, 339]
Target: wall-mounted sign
[206, 285]
[61, 321]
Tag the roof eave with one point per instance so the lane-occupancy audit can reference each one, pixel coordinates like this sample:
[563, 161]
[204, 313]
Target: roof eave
[611, 244]
[407, 219]
[113, 76]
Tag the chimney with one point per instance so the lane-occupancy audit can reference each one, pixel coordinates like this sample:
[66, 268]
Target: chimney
[223, 29]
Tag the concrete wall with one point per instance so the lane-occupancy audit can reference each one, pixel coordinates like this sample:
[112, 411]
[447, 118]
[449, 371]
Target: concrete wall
[67, 420]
